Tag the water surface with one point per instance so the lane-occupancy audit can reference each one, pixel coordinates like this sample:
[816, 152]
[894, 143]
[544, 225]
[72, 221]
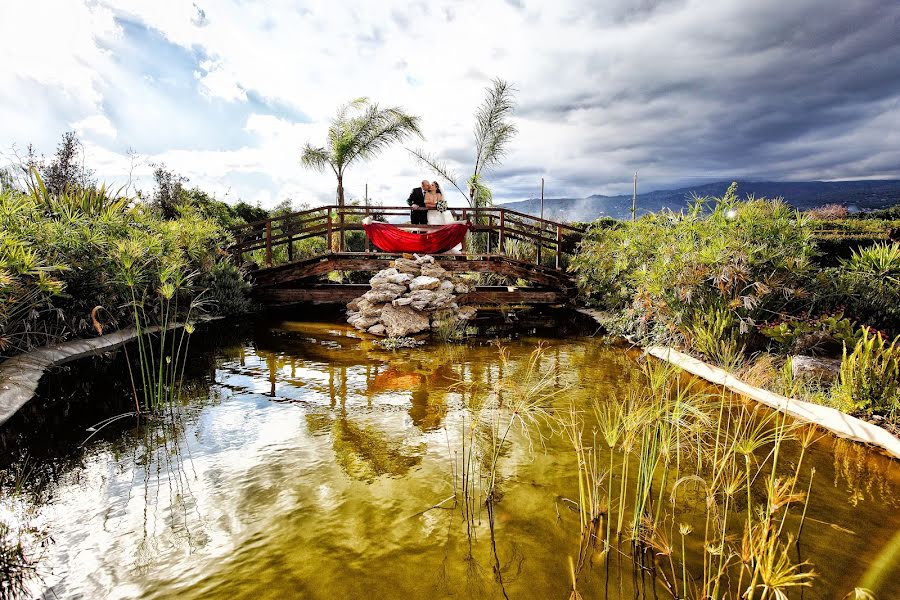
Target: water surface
[308, 461]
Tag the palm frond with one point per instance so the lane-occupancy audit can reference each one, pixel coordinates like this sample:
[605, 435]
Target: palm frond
[493, 131]
[315, 158]
[438, 167]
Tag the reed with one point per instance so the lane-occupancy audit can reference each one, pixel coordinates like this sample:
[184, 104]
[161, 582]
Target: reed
[670, 436]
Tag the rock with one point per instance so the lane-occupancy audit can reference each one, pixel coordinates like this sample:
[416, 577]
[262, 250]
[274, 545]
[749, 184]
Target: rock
[404, 265]
[423, 282]
[466, 313]
[441, 301]
[384, 292]
[811, 367]
[421, 299]
[415, 294]
[377, 329]
[369, 309]
[435, 270]
[364, 323]
[401, 279]
[383, 277]
[400, 321]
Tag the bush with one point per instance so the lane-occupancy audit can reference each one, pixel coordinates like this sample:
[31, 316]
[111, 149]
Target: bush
[867, 284]
[63, 254]
[668, 271]
[228, 292]
[869, 380]
[828, 211]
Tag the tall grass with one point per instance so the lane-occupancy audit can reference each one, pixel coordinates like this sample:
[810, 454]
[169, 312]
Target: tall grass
[869, 379]
[672, 441]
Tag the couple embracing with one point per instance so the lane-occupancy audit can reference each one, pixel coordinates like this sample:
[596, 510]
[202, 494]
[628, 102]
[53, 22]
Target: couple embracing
[428, 206]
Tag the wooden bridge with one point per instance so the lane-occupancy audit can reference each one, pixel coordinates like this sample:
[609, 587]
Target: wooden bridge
[289, 257]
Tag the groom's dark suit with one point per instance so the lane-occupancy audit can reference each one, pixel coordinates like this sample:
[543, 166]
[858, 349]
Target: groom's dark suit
[416, 199]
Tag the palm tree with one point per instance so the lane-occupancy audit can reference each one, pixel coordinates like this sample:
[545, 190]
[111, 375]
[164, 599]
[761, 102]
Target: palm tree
[493, 132]
[361, 130]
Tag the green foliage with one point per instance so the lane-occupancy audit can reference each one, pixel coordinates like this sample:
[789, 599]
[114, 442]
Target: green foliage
[668, 272]
[813, 336]
[360, 131]
[868, 285]
[715, 333]
[869, 380]
[228, 293]
[63, 254]
[836, 239]
[493, 133]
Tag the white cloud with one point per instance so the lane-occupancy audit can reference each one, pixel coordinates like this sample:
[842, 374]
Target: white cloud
[95, 125]
[669, 88]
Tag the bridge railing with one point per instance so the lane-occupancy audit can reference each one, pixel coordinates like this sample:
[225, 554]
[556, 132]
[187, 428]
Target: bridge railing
[497, 232]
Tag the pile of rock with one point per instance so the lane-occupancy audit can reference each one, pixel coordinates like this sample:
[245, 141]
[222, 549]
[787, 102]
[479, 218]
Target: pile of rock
[412, 296]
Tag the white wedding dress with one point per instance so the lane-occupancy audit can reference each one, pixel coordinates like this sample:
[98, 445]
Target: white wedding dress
[436, 217]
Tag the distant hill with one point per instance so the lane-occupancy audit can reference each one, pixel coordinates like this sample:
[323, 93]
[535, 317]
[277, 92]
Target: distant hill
[856, 195]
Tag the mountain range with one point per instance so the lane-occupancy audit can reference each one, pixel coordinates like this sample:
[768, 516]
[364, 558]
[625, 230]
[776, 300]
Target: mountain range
[856, 195]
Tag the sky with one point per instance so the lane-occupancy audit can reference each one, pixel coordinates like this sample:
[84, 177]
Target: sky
[227, 92]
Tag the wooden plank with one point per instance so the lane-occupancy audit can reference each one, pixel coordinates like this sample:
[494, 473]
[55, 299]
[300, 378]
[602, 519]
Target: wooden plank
[363, 262]
[343, 293]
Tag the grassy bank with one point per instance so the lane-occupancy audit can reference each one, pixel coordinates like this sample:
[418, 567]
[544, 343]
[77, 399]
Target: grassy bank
[748, 284]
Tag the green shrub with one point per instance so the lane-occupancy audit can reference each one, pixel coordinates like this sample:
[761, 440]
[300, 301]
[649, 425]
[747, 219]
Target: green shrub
[869, 380]
[867, 284]
[62, 254]
[228, 292]
[668, 271]
[825, 334]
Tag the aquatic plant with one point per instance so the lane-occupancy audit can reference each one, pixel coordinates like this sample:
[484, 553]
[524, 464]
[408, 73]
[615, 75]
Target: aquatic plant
[869, 379]
[671, 436]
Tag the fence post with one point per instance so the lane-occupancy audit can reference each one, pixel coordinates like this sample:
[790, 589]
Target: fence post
[540, 240]
[368, 245]
[558, 244]
[290, 239]
[237, 252]
[502, 232]
[341, 225]
[269, 243]
[328, 232]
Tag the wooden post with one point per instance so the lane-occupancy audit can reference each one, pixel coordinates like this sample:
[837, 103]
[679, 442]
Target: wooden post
[502, 235]
[634, 197]
[368, 245]
[465, 242]
[558, 244]
[341, 225]
[290, 239]
[328, 232]
[269, 243]
[540, 243]
[237, 252]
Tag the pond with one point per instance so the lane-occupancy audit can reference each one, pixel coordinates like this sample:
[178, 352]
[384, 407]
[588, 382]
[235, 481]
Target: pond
[309, 463]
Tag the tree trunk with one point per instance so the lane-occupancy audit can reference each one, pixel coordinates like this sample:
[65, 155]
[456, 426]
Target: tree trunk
[340, 190]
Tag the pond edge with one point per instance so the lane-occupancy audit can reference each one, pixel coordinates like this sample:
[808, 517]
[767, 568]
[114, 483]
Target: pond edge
[21, 374]
[839, 423]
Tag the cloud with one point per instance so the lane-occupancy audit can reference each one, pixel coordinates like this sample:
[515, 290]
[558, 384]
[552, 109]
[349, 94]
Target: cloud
[95, 125]
[679, 90]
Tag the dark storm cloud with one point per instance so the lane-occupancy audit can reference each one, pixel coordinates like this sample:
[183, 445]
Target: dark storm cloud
[766, 89]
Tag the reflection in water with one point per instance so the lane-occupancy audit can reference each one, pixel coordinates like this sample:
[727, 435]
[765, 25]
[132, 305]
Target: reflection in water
[310, 463]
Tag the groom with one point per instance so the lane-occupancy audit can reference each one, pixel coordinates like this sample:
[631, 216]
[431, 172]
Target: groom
[417, 213]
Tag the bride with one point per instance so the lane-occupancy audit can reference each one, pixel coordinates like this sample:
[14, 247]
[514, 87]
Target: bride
[438, 212]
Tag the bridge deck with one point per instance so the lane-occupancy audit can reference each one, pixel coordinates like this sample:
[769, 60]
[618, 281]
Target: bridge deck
[505, 243]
